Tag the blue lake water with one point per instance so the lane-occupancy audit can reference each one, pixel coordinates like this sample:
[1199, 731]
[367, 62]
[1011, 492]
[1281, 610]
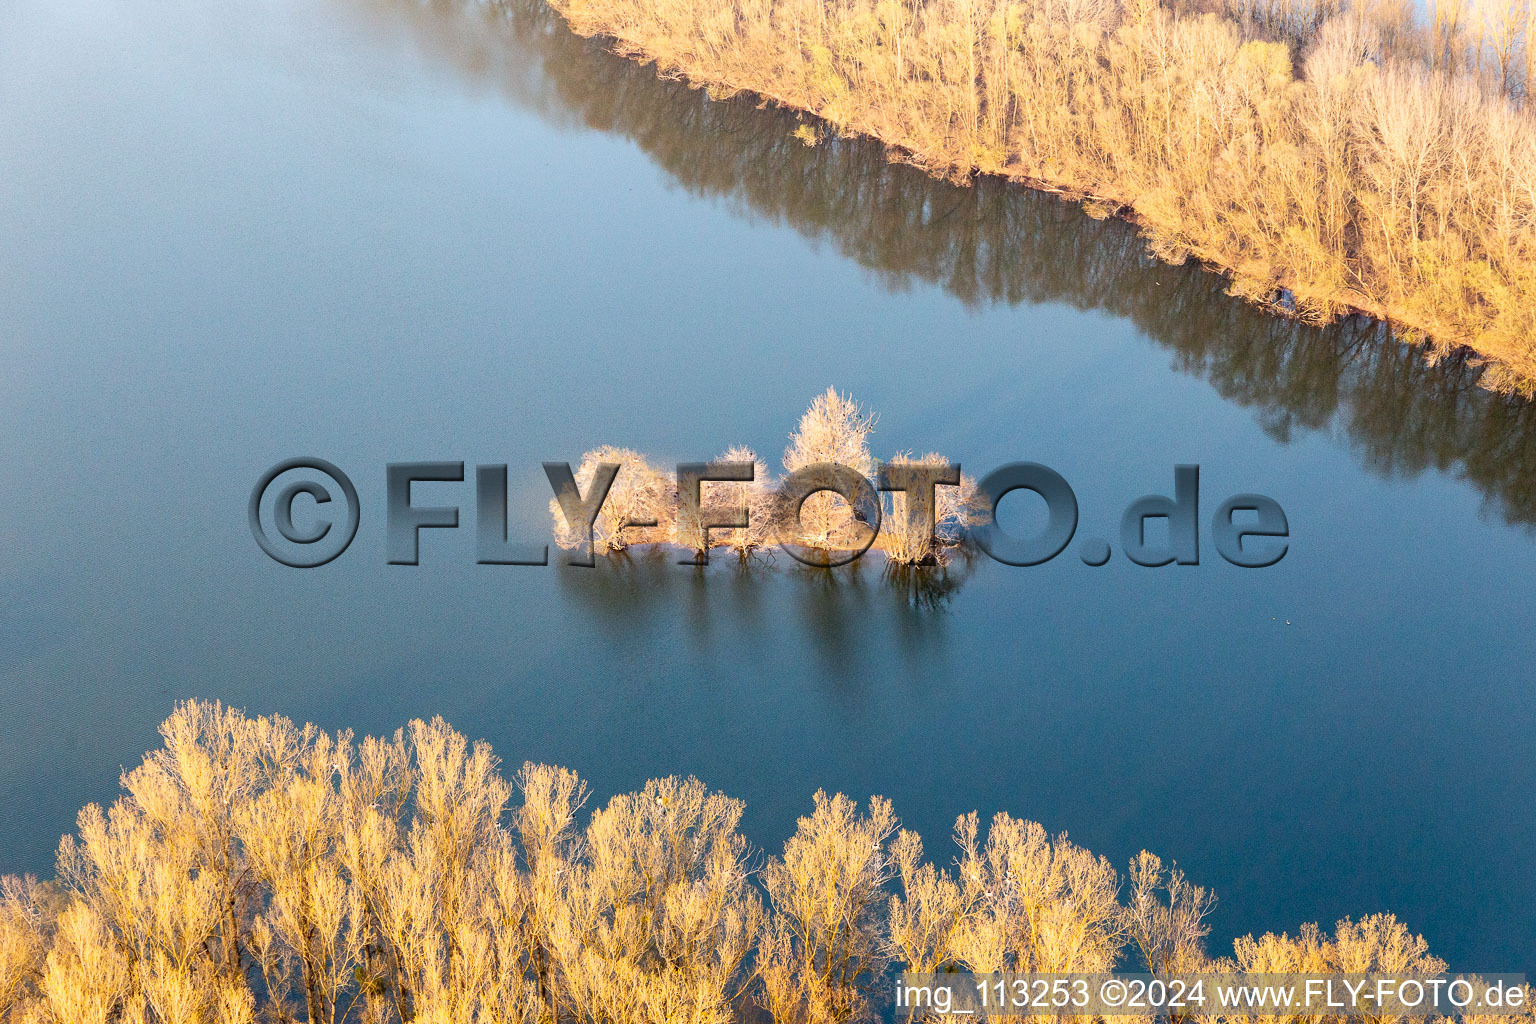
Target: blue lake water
[383, 230]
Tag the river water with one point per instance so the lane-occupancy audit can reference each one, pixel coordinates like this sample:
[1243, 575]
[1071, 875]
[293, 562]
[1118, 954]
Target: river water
[378, 230]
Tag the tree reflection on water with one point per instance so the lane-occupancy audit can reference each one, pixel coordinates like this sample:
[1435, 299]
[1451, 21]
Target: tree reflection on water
[998, 243]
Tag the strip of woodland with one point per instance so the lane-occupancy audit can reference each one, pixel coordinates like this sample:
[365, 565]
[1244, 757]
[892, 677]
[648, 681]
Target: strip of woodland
[259, 870]
[1331, 156]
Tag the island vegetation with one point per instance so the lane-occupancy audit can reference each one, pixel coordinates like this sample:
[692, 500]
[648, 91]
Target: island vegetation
[642, 505]
[1331, 156]
[258, 870]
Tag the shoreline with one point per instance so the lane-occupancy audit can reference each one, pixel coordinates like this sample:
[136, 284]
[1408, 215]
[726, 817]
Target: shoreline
[1282, 299]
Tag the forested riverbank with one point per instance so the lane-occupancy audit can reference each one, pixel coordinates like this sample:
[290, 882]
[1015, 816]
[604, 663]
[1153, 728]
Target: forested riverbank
[1328, 158]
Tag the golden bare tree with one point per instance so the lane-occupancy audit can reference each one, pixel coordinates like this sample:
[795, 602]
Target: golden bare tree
[834, 430]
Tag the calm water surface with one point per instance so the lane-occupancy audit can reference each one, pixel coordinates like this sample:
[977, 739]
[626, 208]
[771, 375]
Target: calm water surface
[374, 230]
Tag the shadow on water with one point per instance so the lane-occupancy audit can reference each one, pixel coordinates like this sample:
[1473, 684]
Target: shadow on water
[846, 612]
[996, 243]
[653, 568]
